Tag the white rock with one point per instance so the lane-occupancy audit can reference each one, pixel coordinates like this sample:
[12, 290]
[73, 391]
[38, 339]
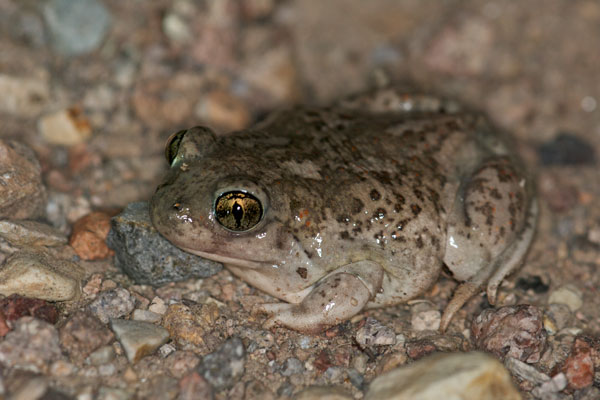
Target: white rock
[145, 316]
[426, 320]
[65, 127]
[465, 376]
[40, 276]
[569, 295]
[138, 338]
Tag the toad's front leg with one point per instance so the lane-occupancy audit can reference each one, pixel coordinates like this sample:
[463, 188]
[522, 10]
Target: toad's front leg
[335, 298]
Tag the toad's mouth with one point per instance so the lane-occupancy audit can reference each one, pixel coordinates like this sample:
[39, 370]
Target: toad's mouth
[238, 262]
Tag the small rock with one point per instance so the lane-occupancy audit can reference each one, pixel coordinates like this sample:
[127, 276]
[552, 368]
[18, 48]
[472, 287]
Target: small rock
[108, 393]
[14, 307]
[184, 324]
[22, 193]
[23, 96]
[89, 236]
[589, 393]
[569, 295]
[225, 366]
[557, 384]
[525, 371]
[466, 376]
[426, 320]
[181, 363]
[32, 345]
[103, 355]
[292, 366]
[579, 366]
[513, 331]
[82, 334]
[567, 149]
[115, 303]
[158, 306]
[62, 368]
[323, 393]
[420, 347]
[76, 27]
[66, 127]
[193, 386]
[138, 338]
[40, 276]
[560, 314]
[223, 110]
[160, 387]
[30, 233]
[356, 378]
[146, 256]
[145, 316]
[374, 333]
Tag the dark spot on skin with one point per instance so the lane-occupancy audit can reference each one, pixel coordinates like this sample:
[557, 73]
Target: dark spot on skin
[303, 272]
[495, 193]
[357, 205]
[379, 213]
[416, 209]
[375, 195]
[502, 231]
[308, 254]
[345, 235]
[322, 293]
[343, 219]
[419, 242]
[402, 223]
[418, 194]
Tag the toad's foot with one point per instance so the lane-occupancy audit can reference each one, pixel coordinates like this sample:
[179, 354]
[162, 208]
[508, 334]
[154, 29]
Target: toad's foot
[335, 298]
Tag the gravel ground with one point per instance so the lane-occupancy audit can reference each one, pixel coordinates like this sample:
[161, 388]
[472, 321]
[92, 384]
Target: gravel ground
[90, 91]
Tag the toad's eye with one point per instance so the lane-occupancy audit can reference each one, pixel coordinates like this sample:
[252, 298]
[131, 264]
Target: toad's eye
[172, 147]
[238, 211]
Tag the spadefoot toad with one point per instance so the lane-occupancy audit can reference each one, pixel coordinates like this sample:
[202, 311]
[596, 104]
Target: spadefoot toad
[358, 205]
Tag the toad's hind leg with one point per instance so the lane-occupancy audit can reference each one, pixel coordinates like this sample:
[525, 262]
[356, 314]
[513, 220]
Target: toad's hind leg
[335, 298]
[490, 228]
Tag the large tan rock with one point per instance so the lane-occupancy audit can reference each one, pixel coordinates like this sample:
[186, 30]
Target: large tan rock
[465, 376]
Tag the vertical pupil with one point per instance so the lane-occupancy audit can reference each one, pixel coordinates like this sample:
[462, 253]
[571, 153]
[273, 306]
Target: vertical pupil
[238, 212]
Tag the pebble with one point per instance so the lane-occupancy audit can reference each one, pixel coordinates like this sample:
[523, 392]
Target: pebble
[554, 385]
[292, 366]
[138, 338]
[579, 366]
[65, 127]
[88, 237]
[103, 355]
[374, 333]
[193, 386]
[76, 27]
[114, 303]
[32, 345]
[14, 307]
[31, 233]
[466, 376]
[145, 316]
[525, 371]
[560, 314]
[511, 331]
[158, 306]
[108, 393]
[83, 334]
[426, 320]
[40, 276]
[23, 96]
[224, 367]
[323, 393]
[184, 324]
[180, 363]
[567, 149]
[22, 193]
[567, 294]
[420, 347]
[146, 256]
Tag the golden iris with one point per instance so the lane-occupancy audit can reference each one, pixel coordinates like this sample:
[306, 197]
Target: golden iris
[238, 211]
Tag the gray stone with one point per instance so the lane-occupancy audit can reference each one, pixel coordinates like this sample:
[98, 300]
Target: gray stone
[374, 333]
[146, 256]
[225, 366]
[40, 276]
[466, 376]
[114, 303]
[323, 393]
[292, 366]
[76, 27]
[32, 345]
[138, 338]
[525, 371]
[30, 233]
[22, 193]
